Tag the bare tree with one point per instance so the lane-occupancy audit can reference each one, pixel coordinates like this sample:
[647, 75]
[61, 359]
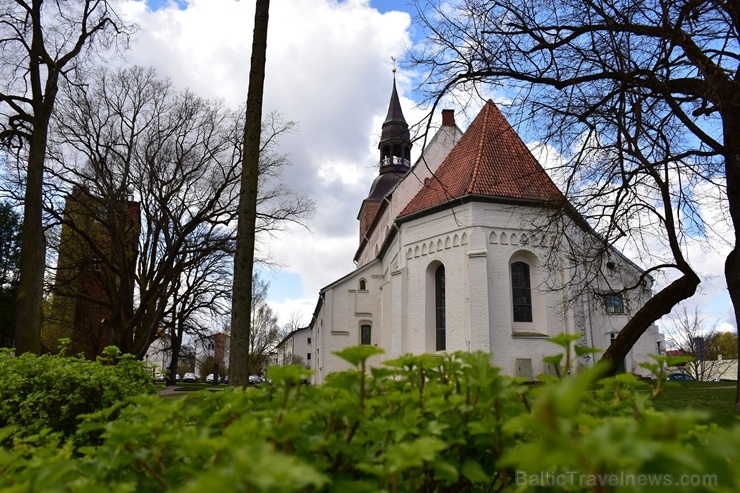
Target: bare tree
[178, 155]
[640, 100]
[693, 336]
[295, 321]
[42, 42]
[247, 211]
[264, 334]
[201, 297]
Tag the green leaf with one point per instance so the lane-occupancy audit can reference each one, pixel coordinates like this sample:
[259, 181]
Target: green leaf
[288, 374]
[473, 471]
[555, 359]
[405, 455]
[564, 340]
[584, 350]
[356, 355]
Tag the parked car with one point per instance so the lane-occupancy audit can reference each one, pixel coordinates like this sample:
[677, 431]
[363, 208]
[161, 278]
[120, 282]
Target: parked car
[189, 378]
[159, 377]
[210, 378]
[685, 377]
[177, 377]
[255, 380]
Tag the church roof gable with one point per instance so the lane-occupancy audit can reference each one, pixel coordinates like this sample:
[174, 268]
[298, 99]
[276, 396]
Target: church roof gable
[490, 159]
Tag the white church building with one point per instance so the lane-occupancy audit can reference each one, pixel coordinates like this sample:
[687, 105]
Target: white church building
[450, 259]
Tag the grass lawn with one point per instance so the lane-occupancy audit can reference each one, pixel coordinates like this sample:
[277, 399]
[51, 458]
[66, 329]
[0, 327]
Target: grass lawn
[716, 398]
[186, 388]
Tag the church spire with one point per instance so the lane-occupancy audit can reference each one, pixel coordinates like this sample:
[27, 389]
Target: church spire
[395, 139]
[395, 159]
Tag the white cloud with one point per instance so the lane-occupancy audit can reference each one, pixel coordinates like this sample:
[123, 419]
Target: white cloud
[329, 70]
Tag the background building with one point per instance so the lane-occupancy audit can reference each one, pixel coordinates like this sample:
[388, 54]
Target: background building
[295, 348]
[97, 255]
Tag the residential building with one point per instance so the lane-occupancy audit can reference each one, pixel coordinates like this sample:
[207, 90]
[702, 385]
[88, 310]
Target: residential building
[295, 348]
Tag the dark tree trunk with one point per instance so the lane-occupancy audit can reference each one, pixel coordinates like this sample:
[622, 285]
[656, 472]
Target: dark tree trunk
[732, 262]
[657, 306]
[245, 239]
[29, 304]
[29, 315]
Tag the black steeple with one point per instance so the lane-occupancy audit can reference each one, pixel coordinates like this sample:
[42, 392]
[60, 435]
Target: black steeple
[395, 149]
[395, 156]
[395, 140]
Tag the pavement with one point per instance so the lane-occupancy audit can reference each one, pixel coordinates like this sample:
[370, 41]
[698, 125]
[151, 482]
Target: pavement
[171, 389]
[174, 389]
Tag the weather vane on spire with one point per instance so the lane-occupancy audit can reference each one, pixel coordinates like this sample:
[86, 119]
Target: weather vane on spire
[394, 64]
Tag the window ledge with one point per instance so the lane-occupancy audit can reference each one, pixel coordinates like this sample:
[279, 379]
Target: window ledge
[340, 332]
[528, 334]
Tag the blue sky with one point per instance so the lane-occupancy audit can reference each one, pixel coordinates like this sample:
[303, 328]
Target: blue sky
[381, 5]
[329, 69]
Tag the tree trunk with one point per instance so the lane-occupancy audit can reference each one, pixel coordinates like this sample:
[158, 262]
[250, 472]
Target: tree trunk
[732, 262]
[732, 275]
[29, 304]
[247, 213]
[657, 306]
[29, 315]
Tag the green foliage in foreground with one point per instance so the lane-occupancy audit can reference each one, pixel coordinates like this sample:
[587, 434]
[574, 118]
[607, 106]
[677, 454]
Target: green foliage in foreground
[442, 423]
[50, 393]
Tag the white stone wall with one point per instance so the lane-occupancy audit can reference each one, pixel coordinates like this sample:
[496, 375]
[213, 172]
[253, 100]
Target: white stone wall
[345, 308]
[476, 242]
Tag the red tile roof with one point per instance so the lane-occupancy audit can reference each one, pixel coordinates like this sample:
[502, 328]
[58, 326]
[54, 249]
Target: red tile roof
[489, 160]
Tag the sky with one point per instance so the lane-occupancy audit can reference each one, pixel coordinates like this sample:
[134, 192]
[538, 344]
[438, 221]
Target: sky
[328, 69]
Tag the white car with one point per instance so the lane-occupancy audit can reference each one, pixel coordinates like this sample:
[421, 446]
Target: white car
[189, 378]
[210, 378]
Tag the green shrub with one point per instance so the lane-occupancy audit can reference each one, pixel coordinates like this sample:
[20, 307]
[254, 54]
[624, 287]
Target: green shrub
[442, 423]
[51, 393]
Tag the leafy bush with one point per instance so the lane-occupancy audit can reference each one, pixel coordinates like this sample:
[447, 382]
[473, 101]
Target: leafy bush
[443, 423]
[52, 392]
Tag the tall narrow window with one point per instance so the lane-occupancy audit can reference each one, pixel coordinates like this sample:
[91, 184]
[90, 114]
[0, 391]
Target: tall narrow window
[365, 334]
[363, 285]
[521, 292]
[439, 307]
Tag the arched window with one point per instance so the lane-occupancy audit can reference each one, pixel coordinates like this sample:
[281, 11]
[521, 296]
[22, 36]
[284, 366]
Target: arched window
[439, 307]
[521, 292]
[365, 334]
[363, 285]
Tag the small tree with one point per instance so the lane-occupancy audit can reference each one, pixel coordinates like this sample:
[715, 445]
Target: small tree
[725, 345]
[693, 336]
[265, 334]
